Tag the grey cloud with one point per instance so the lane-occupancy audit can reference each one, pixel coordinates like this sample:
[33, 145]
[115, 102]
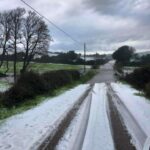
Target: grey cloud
[103, 24]
[108, 6]
[138, 9]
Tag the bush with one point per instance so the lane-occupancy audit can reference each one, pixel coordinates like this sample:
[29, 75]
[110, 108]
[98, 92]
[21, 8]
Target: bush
[1, 95]
[56, 79]
[139, 78]
[28, 85]
[2, 74]
[31, 84]
[147, 90]
[95, 66]
[75, 74]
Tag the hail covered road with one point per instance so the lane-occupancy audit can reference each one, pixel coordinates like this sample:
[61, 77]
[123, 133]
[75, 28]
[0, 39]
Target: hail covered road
[99, 115]
[105, 74]
[104, 129]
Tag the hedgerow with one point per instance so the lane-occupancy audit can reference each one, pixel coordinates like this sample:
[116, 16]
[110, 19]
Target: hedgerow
[31, 84]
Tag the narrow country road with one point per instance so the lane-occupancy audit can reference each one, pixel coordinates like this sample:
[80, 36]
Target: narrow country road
[100, 115]
[121, 137]
[116, 105]
[92, 134]
[93, 116]
[105, 74]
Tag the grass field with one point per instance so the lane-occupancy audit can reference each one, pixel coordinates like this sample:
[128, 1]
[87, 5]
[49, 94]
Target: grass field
[40, 67]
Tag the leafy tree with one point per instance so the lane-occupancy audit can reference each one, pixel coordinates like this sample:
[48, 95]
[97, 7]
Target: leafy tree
[72, 55]
[123, 54]
[145, 59]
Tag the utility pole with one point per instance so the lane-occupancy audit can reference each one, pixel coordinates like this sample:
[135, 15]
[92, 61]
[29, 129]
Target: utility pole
[84, 57]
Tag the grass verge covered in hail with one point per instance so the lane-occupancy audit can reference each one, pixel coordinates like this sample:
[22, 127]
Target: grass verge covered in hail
[136, 112]
[31, 128]
[7, 112]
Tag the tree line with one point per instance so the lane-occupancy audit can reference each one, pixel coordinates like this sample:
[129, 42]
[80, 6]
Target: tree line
[22, 31]
[70, 57]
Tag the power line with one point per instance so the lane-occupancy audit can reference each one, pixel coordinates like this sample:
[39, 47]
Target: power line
[51, 22]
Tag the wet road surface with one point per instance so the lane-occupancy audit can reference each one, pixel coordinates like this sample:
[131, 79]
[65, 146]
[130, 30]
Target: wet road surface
[105, 74]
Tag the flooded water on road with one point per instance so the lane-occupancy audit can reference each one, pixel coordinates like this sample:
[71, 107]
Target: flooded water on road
[105, 74]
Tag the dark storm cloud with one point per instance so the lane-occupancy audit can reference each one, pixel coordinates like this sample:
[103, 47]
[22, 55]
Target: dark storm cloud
[138, 9]
[119, 7]
[107, 6]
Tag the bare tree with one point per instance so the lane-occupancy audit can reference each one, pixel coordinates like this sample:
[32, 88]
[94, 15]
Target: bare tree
[36, 38]
[16, 33]
[5, 29]
[20, 32]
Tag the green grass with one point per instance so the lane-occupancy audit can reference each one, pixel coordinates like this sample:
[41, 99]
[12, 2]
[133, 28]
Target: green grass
[3, 82]
[41, 67]
[140, 94]
[7, 112]
[4, 85]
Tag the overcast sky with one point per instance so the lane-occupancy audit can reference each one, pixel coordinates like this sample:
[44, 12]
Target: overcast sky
[103, 24]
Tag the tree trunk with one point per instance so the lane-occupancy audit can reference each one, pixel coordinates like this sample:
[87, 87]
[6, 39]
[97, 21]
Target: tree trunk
[7, 64]
[3, 55]
[2, 58]
[25, 60]
[15, 60]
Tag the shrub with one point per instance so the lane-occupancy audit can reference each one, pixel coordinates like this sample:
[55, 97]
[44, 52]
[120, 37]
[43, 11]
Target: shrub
[31, 84]
[55, 79]
[75, 74]
[28, 85]
[95, 66]
[1, 95]
[33, 81]
[2, 74]
[139, 78]
[147, 90]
